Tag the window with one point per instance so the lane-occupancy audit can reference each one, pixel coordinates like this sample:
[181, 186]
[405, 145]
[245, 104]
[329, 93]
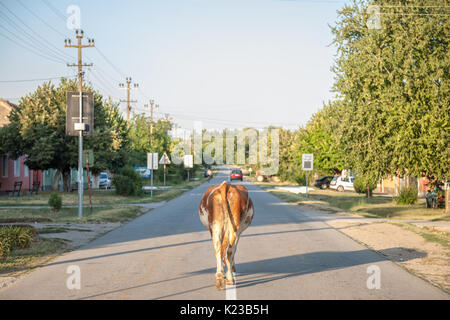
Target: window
[17, 167]
[5, 166]
[25, 170]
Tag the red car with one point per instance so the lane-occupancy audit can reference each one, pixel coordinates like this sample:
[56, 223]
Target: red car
[236, 174]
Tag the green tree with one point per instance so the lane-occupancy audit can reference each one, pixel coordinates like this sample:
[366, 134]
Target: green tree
[139, 138]
[393, 88]
[37, 129]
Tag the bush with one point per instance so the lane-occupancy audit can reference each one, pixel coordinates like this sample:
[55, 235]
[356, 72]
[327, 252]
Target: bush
[55, 201]
[12, 237]
[128, 182]
[365, 184]
[407, 196]
[4, 248]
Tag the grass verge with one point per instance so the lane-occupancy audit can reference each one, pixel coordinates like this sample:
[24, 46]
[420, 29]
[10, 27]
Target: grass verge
[350, 202]
[40, 251]
[69, 215]
[100, 197]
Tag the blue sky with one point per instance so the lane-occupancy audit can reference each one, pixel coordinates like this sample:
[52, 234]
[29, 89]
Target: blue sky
[225, 63]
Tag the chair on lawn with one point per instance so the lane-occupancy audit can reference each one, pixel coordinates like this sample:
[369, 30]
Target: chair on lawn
[35, 188]
[17, 188]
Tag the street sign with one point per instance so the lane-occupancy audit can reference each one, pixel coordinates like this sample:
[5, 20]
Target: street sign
[152, 161]
[164, 159]
[73, 123]
[90, 157]
[188, 161]
[307, 161]
[143, 172]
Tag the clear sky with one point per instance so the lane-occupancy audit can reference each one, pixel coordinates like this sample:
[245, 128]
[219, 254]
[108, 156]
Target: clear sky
[225, 63]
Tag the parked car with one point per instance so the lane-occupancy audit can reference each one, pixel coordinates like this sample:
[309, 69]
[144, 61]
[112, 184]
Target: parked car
[104, 181]
[236, 174]
[323, 182]
[341, 183]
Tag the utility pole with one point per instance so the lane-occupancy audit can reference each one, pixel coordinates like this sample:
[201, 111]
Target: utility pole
[80, 65]
[152, 102]
[128, 101]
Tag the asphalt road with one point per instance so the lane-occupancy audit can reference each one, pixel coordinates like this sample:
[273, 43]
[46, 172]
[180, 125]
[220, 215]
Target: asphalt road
[286, 253]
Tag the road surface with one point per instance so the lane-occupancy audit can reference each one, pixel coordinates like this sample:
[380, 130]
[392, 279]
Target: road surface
[287, 253]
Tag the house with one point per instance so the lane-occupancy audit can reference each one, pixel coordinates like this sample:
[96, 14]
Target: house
[14, 170]
[392, 185]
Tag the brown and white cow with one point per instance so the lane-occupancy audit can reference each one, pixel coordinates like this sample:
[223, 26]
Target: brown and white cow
[225, 210]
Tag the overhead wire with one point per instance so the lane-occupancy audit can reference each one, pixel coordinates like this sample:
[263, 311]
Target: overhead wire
[44, 43]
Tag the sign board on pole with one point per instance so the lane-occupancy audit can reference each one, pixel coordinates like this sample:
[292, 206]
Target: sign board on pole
[164, 159]
[143, 172]
[307, 161]
[152, 161]
[90, 157]
[188, 161]
[73, 113]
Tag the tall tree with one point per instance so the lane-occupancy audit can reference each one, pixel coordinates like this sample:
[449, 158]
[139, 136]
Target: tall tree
[139, 135]
[393, 85]
[37, 129]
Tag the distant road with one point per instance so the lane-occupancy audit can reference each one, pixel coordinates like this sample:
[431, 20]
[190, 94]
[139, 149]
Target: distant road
[287, 253]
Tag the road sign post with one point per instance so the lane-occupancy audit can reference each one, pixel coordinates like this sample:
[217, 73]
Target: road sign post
[164, 161]
[152, 164]
[307, 165]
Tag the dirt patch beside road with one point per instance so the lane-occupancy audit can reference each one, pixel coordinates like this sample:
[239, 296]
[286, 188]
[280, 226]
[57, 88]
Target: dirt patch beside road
[428, 260]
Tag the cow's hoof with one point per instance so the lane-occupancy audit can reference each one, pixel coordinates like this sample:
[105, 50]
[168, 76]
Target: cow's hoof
[220, 283]
[230, 282]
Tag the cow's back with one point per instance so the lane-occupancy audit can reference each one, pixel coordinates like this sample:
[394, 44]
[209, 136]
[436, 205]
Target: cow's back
[226, 204]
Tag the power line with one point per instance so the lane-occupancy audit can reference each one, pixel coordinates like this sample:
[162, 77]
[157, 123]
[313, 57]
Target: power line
[31, 50]
[49, 45]
[31, 43]
[55, 11]
[110, 63]
[42, 20]
[31, 80]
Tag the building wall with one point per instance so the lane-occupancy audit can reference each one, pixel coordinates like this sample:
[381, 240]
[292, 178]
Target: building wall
[22, 173]
[392, 184]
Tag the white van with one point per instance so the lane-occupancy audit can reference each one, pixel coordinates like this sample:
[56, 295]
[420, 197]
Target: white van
[342, 183]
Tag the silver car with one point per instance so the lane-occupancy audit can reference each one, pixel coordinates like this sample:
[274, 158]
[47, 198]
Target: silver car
[104, 181]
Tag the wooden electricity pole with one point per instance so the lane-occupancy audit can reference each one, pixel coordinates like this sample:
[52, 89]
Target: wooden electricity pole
[128, 100]
[152, 103]
[80, 65]
[79, 46]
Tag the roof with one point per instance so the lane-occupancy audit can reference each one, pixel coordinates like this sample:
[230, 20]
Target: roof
[5, 108]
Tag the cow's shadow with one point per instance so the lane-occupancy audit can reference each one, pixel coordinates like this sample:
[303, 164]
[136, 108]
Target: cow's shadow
[266, 270]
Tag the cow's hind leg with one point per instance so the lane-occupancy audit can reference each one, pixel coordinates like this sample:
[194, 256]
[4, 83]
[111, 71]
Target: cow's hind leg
[230, 259]
[233, 252]
[230, 280]
[220, 281]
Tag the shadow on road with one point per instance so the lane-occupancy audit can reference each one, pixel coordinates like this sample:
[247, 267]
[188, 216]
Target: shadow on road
[273, 269]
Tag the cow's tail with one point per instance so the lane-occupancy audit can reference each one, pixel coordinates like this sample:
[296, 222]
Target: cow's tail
[227, 242]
